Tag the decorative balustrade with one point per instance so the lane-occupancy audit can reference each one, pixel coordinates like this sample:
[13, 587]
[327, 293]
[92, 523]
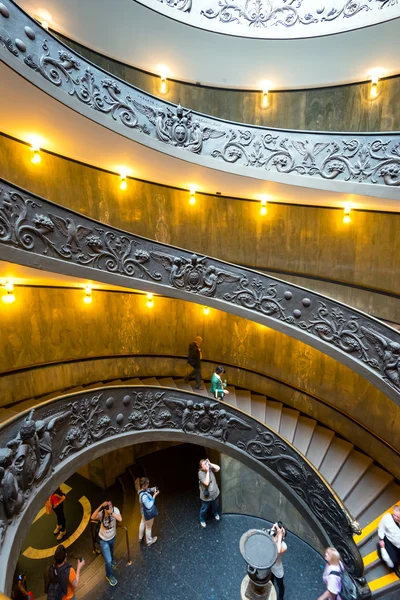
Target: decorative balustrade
[277, 18]
[66, 432]
[363, 163]
[41, 234]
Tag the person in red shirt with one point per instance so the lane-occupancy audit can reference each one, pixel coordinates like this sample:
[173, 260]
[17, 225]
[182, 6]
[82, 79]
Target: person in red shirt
[56, 500]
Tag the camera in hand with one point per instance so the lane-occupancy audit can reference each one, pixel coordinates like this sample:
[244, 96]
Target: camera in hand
[22, 576]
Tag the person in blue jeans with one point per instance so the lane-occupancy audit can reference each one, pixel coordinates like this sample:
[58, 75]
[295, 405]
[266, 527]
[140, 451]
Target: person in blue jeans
[108, 515]
[209, 490]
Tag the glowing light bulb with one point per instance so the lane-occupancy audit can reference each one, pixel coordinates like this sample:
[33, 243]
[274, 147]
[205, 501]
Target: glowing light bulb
[264, 103]
[263, 210]
[163, 85]
[192, 199]
[374, 86]
[123, 185]
[150, 301]
[206, 310]
[346, 217]
[88, 294]
[36, 158]
[8, 297]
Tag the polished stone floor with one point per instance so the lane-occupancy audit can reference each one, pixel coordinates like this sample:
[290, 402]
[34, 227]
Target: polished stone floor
[187, 562]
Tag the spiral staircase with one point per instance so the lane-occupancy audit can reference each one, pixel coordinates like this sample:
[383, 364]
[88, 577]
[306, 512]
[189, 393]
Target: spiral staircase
[366, 489]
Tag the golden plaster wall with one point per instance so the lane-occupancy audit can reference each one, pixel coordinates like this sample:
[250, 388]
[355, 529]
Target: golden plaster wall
[46, 325]
[340, 108]
[294, 239]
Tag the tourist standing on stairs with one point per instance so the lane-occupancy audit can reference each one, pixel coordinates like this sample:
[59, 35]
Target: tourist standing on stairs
[148, 509]
[108, 515]
[194, 360]
[389, 539]
[209, 490]
[217, 388]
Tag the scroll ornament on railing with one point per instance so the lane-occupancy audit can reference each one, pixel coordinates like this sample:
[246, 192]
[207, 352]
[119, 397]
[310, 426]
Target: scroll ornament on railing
[32, 447]
[362, 158]
[45, 229]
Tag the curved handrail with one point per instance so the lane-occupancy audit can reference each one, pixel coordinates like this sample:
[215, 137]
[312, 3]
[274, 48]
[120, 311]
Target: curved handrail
[65, 430]
[277, 19]
[358, 162]
[38, 233]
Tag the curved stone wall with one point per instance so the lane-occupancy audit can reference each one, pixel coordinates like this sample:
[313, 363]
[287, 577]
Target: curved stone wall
[289, 240]
[337, 108]
[61, 327]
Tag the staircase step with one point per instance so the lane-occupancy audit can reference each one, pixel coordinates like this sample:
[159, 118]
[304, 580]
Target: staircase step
[181, 384]
[335, 458]
[243, 400]
[273, 412]
[203, 392]
[26, 404]
[150, 381]
[351, 473]
[258, 407]
[370, 486]
[288, 424]
[231, 397]
[369, 519]
[320, 442]
[6, 413]
[113, 383]
[304, 432]
[167, 382]
[134, 381]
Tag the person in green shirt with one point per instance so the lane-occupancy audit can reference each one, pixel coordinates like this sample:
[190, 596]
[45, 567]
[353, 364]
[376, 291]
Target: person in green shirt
[217, 388]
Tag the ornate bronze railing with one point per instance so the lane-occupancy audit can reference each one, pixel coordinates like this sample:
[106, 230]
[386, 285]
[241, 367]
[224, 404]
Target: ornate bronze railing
[38, 233]
[356, 163]
[38, 449]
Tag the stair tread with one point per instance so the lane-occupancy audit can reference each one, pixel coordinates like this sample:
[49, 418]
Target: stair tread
[181, 384]
[370, 486]
[273, 412]
[6, 413]
[134, 381]
[231, 397]
[72, 390]
[30, 403]
[320, 442]
[258, 407]
[243, 400]
[167, 382]
[203, 392]
[304, 432]
[150, 381]
[379, 570]
[287, 428]
[389, 497]
[351, 473]
[336, 456]
[112, 383]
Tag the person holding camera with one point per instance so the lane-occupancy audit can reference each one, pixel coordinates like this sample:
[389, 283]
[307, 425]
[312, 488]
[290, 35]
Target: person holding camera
[108, 515]
[148, 509]
[61, 577]
[209, 490]
[278, 532]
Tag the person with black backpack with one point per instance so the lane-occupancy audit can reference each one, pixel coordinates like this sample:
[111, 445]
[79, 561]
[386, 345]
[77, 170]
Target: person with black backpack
[61, 580]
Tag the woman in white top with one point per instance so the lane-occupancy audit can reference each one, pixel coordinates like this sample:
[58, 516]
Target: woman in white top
[332, 582]
[277, 569]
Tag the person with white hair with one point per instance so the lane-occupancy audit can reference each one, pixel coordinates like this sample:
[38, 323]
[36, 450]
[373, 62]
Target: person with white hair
[389, 539]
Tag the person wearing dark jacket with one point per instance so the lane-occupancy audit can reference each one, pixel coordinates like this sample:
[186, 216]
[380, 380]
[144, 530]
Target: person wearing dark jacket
[194, 360]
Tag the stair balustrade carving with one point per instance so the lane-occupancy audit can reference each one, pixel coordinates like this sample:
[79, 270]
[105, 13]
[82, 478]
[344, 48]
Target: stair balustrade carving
[34, 445]
[39, 233]
[370, 160]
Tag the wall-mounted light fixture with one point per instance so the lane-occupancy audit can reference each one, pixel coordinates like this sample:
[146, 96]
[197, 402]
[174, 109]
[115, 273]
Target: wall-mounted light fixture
[36, 158]
[374, 86]
[346, 216]
[150, 301]
[163, 85]
[264, 208]
[265, 88]
[8, 297]
[123, 184]
[88, 294]
[192, 199]
[206, 310]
